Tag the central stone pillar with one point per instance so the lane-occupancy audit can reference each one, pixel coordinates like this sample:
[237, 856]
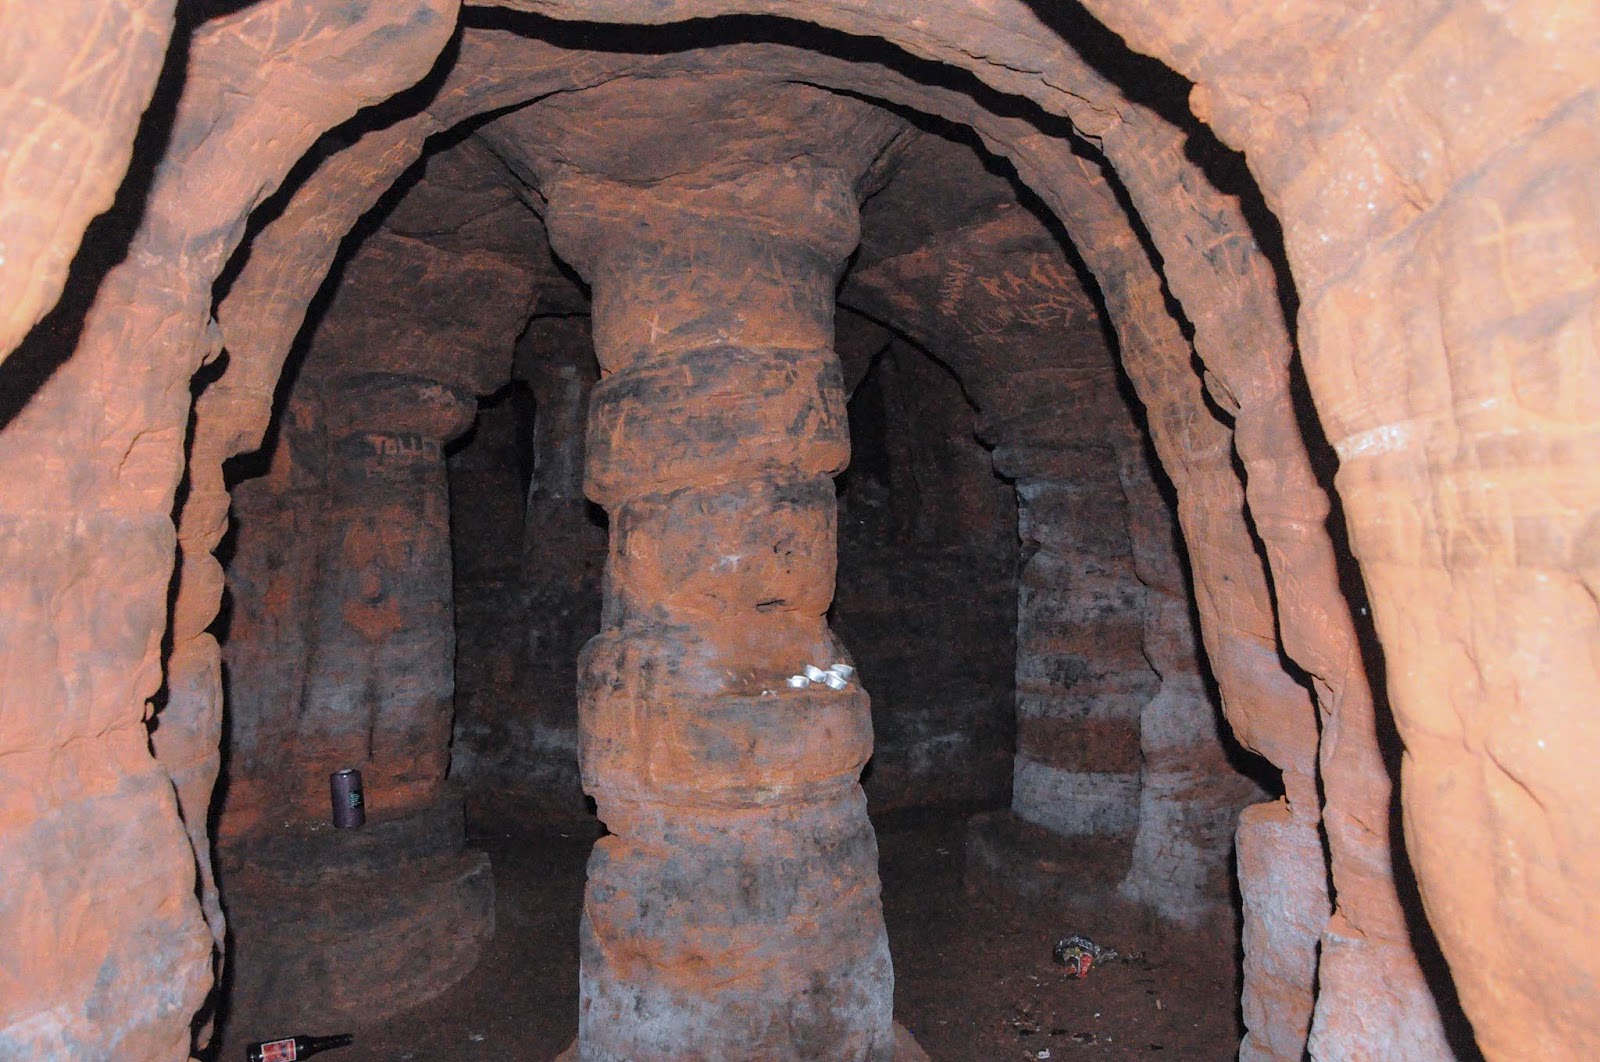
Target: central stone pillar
[734, 911]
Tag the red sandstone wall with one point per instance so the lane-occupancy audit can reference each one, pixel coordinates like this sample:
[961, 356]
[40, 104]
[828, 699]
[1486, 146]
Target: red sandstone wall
[116, 953]
[1391, 170]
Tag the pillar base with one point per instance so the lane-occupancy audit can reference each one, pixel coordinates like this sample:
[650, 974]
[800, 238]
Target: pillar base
[329, 927]
[905, 1048]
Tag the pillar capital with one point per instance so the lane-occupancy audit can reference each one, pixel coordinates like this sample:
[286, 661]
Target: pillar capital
[397, 415]
[597, 222]
[703, 260]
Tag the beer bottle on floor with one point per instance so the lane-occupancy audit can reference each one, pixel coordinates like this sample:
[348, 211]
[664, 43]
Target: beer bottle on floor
[294, 1048]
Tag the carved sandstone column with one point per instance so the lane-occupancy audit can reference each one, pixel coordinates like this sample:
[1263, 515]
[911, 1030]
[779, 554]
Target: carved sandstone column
[1082, 677]
[333, 924]
[734, 911]
[381, 677]
[378, 664]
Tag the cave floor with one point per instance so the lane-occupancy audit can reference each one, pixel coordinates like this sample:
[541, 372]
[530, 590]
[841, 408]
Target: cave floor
[975, 980]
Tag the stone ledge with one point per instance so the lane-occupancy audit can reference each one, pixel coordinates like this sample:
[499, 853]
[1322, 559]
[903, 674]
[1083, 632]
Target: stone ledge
[300, 854]
[352, 926]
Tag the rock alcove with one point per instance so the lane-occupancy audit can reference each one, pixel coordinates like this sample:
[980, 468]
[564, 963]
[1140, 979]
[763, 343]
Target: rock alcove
[1181, 422]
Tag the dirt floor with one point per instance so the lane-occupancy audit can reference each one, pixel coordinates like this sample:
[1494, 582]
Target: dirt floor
[975, 980]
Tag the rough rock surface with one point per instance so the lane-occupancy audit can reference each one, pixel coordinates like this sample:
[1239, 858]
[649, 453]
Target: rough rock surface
[70, 97]
[1430, 168]
[114, 954]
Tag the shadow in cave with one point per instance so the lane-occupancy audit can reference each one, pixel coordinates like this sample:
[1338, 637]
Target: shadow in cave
[925, 598]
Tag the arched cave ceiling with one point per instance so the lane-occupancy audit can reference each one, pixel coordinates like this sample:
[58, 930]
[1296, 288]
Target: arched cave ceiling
[455, 256]
[1383, 138]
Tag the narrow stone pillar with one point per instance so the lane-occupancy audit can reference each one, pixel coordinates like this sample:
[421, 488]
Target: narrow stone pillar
[734, 911]
[1082, 675]
[562, 559]
[1190, 794]
[381, 677]
[329, 924]
[379, 646]
[343, 578]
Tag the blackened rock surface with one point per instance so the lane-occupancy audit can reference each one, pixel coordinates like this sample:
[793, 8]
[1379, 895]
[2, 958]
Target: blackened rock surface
[332, 927]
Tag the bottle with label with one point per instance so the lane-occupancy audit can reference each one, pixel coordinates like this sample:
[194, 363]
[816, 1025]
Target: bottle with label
[294, 1048]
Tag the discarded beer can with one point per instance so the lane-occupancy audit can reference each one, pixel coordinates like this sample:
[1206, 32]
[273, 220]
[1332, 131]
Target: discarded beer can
[844, 671]
[799, 682]
[834, 681]
[815, 673]
[349, 802]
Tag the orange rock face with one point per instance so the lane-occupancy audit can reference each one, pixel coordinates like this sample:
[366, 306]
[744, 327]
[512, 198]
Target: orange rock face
[1363, 352]
[115, 956]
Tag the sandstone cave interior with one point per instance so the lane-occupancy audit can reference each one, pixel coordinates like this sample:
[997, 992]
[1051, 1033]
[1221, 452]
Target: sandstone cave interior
[1184, 424]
